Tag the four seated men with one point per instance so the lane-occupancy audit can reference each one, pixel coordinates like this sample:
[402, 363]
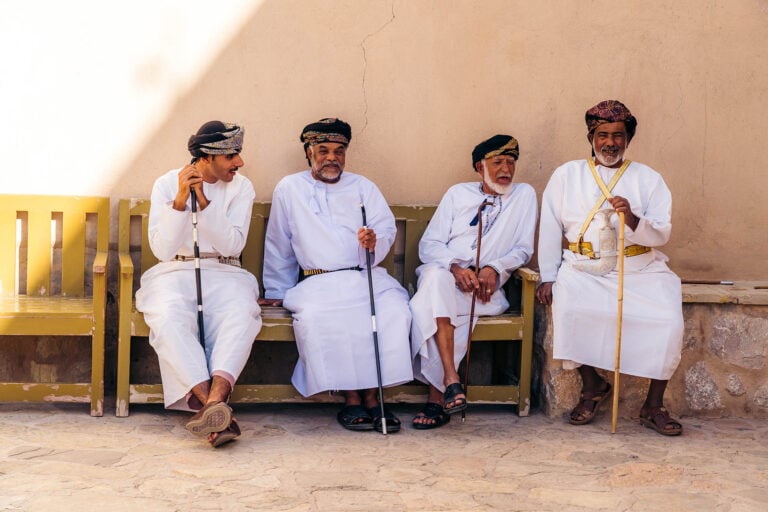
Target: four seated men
[318, 248]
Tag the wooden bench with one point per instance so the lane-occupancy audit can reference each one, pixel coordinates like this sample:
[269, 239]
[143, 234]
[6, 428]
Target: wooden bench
[53, 259]
[515, 325]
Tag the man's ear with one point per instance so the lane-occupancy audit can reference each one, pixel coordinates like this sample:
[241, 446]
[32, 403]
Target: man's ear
[478, 167]
[590, 135]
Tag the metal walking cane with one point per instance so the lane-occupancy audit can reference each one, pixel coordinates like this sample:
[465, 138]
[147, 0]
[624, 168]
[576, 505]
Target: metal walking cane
[375, 333]
[200, 327]
[617, 359]
[474, 298]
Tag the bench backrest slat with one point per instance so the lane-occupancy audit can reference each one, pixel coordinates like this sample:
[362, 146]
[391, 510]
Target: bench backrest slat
[401, 262]
[55, 231]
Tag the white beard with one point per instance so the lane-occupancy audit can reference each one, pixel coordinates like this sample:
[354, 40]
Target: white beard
[607, 160]
[501, 190]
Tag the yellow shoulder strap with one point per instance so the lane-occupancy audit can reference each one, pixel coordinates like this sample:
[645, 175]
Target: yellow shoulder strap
[606, 194]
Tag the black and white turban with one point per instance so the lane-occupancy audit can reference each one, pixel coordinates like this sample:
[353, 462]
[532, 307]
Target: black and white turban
[329, 129]
[216, 138]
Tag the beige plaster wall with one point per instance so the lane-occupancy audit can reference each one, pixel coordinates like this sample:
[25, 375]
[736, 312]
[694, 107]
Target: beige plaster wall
[99, 98]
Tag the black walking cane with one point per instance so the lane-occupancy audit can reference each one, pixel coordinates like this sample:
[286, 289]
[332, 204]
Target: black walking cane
[474, 298]
[375, 334]
[200, 329]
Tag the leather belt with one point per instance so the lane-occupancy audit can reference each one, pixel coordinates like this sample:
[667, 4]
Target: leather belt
[317, 271]
[235, 262]
[586, 249]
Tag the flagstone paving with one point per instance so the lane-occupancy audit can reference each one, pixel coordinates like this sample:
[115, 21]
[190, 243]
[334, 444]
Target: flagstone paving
[297, 458]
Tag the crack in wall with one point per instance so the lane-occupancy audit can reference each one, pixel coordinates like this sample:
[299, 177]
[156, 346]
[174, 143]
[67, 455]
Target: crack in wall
[365, 63]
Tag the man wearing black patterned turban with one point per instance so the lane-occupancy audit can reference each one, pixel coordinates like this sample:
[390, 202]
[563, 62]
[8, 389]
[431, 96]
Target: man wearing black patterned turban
[196, 378]
[448, 277]
[316, 226]
[580, 203]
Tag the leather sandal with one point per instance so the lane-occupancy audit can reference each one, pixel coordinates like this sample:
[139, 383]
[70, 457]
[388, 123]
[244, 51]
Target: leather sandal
[214, 417]
[434, 412]
[451, 395]
[589, 403]
[228, 434]
[658, 419]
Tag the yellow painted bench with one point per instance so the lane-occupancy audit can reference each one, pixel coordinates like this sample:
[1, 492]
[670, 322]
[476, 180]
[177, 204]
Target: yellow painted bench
[133, 247]
[53, 260]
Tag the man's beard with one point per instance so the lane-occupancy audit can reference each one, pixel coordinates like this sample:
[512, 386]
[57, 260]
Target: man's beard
[325, 176]
[606, 159]
[496, 187]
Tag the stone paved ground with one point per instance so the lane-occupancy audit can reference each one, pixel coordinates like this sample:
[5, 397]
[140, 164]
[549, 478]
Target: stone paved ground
[296, 458]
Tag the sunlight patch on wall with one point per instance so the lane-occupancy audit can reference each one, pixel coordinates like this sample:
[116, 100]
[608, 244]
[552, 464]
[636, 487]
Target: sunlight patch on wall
[85, 82]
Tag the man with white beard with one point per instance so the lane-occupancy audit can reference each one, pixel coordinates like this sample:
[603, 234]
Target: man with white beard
[447, 278]
[584, 304]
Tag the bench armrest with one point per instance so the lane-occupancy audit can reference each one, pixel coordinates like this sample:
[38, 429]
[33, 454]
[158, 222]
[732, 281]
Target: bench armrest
[126, 264]
[526, 274]
[100, 263]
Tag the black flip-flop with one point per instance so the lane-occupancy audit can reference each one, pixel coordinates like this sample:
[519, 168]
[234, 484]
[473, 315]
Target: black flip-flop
[393, 424]
[432, 411]
[451, 394]
[349, 417]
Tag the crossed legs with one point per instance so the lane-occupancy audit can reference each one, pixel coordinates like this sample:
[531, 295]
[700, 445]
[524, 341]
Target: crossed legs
[214, 417]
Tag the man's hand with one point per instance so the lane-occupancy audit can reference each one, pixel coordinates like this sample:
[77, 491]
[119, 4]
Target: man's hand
[621, 205]
[544, 293]
[190, 177]
[367, 238]
[270, 302]
[466, 279]
[488, 279]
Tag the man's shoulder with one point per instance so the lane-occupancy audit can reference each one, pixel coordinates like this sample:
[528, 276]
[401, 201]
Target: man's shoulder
[168, 177]
[640, 167]
[243, 183]
[296, 177]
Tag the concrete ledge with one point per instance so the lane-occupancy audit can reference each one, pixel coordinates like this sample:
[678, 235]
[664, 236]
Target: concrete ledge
[722, 372]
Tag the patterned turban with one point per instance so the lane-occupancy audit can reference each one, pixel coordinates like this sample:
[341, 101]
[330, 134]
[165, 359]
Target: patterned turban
[610, 111]
[329, 129]
[216, 138]
[496, 145]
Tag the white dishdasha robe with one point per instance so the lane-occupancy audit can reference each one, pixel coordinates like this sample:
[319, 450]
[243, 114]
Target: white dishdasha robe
[585, 306]
[507, 243]
[168, 296]
[313, 226]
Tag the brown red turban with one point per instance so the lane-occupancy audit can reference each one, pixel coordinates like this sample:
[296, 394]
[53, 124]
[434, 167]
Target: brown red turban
[610, 111]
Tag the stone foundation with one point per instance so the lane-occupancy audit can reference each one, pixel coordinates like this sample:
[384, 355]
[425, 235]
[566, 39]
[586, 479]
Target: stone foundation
[722, 372]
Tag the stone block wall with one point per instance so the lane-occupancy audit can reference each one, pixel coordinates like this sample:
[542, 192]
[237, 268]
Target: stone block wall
[723, 370]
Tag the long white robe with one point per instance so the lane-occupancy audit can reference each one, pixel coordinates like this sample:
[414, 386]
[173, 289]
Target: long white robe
[313, 225]
[507, 243]
[584, 306]
[168, 296]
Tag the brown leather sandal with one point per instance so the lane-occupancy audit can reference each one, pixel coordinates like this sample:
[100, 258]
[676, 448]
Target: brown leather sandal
[658, 419]
[589, 403]
[214, 417]
[226, 435]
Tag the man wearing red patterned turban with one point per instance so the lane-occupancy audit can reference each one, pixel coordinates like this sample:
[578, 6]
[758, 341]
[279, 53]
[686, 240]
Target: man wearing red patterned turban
[581, 281]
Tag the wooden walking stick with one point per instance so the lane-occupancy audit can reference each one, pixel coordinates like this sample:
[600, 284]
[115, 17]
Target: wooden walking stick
[474, 298]
[617, 359]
